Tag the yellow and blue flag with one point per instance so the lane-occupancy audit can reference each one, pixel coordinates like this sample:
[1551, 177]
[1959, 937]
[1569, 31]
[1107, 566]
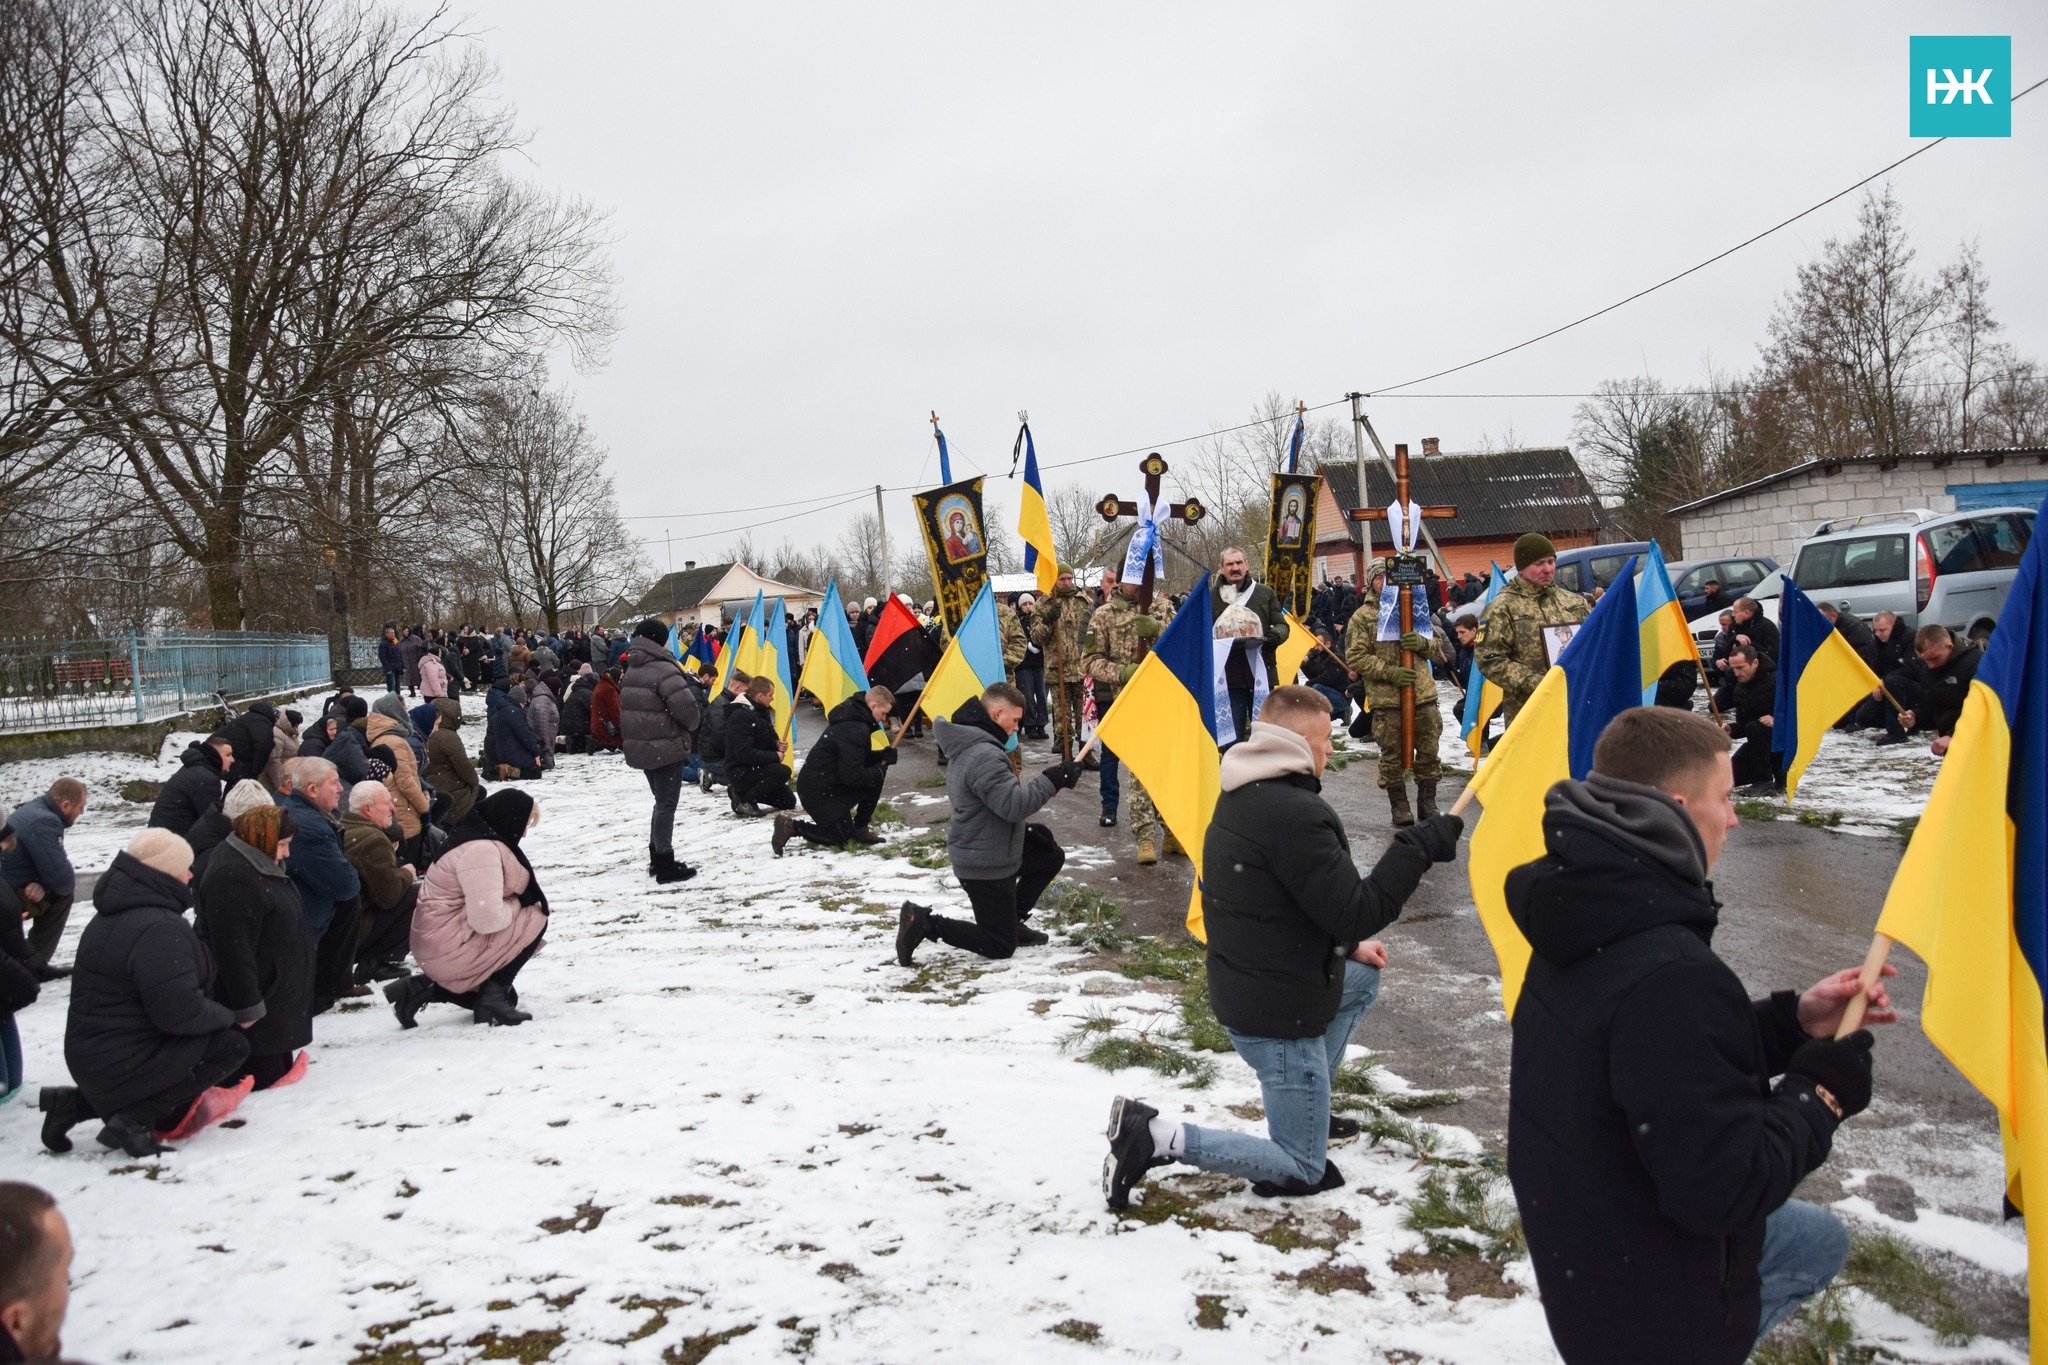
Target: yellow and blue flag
[1033, 525]
[1292, 652]
[1483, 696]
[701, 649]
[832, 666]
[1819, 679]
[737, 644]
[1595, 679]
[1971, 897]
[972, 662]
[1666, 638]
[1163, 728]
[772, 632]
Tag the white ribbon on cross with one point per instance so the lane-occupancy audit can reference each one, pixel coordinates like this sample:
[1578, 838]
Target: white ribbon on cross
[1404, 526]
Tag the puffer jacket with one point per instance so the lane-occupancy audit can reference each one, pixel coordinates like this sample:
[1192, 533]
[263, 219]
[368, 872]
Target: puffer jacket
[468, 921]
[391, 744]
[250, 917]
[192, 790]
[576, 707]
[448, 767]
[544, 716]
[985, 837]
[657, 712]
[511, 739]
[283, 749]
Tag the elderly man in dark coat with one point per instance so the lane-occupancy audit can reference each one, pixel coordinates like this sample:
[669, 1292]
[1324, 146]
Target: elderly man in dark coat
[657, 717]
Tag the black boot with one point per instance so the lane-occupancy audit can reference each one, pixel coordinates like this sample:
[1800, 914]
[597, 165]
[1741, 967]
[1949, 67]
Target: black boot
[131, 1136]
[1028, 937]
[784, 828]
[668, 871]
[406, 995]
[494, 1006]
[64, 1108]
[1425, 800]
[1296, 1189]
[913, 926]
[1397, 797]
[1130, 1150]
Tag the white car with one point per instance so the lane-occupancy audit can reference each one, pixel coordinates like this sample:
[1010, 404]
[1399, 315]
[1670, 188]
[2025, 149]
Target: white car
[1704, 628]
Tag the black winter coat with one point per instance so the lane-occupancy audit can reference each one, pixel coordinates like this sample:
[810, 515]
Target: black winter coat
[845, 766]
[1763, 633]
[1645, 1143]
[191, 791]
[253, 734]
[140, 1017]
[252, 921]
[657, 712]
[207, 834]
[508, 737]
[1941, 705]
[750, 739]
[1860, 636]
[711, 729]
[20, 979]
[576, 707]
[349, 752]
[1285, 905]
[1758, 697]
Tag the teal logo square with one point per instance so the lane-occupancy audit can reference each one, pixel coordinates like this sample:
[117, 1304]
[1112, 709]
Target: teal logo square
[1960, 87]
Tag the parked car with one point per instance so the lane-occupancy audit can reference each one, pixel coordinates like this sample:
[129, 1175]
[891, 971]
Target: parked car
[1595, 566]
[1951, 568]
[1736, 575]
[1765, 594]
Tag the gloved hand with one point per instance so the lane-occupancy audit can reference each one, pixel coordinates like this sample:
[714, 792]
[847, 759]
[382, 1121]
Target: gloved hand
[888, 755]
[1124, 672]
[1064, 775]
[1842, 1065]
[1397, 676]
[1436, 836]
[1414, 643]
[1146, 628]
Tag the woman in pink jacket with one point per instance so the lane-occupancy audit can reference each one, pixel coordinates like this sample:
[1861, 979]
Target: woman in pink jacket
[433, 676]
[480, 916]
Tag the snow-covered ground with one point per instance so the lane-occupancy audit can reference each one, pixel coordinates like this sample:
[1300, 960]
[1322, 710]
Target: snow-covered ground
[734, 1127]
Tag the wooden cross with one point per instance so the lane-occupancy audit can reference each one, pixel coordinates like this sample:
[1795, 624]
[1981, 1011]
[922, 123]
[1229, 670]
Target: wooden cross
[1407, 601]
[1111, 507]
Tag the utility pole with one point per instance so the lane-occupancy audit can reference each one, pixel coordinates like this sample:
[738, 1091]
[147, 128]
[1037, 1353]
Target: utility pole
[882, 524]
[1364, 553]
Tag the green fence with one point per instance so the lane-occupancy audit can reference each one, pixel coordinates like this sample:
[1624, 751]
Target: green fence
[137, 678]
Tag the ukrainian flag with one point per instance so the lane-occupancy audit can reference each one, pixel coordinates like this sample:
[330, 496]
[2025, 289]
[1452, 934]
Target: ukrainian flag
[737, 643]
[1032, 522]
[973, 660]
[1595, 679]
[1971, 897]
[1292, 652]
[1163, 728]
[772, 633]
[1819, 678]
[1483, 702]
[832, 667]
[1666, 639]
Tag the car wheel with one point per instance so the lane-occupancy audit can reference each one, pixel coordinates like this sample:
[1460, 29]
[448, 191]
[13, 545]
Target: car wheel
[1981, 632]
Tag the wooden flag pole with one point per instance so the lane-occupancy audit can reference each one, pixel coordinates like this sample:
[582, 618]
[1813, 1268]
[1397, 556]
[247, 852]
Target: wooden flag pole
[1873, 969]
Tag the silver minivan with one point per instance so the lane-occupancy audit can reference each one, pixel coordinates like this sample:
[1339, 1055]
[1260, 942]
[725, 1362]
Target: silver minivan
[1951, 568]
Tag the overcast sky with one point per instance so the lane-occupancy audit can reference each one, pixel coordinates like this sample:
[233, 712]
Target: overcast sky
[1135, 220]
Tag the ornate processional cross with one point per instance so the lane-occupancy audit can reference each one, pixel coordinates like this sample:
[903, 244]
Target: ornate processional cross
[1111, 507]
[1405, 571]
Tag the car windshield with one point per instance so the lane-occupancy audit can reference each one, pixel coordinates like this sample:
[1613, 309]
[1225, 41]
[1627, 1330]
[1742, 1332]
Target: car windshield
[1851, 563]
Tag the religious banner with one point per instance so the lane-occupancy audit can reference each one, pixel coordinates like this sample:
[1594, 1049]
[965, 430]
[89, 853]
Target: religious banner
[1291, 541]
[955, 544]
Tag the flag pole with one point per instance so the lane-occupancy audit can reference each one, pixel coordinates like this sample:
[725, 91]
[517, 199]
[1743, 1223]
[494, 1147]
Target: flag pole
[1873, 969]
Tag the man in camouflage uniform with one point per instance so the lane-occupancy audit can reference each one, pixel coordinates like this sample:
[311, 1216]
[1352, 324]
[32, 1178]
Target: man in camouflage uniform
[1011, 627]
[1118, 636]
[1378, 665]
[1063, 612]
[1509, 649]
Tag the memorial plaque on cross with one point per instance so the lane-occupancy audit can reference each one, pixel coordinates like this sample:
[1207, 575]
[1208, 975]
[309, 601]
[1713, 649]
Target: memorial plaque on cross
[1148, 513]
[1405, 574]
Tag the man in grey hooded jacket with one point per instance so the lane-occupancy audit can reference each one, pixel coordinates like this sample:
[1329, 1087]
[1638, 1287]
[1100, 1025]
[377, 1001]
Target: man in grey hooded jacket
[1003, 863]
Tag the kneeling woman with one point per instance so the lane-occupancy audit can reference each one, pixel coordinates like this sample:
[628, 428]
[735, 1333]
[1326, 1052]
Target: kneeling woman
[479, 918]
[250, 917]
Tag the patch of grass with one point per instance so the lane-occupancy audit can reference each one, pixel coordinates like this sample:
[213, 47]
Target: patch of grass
[1465, 1214]
[841, 1271]
[1090, 920]
[946, 980]
[1212, 1312]
[528, 1347]
[1757, 810]
[141, 791]
[927, 850]
[1073, 1329]
[887, 814]
[1169, 957]
[1175, 1202]
[658, 1310]
[1820, 1333]
[1464, 1276]
[1906, 827]
[1887, 1269]
[585, 1219]
[1199, 1027]
[1357, 1086]
[932, 780]
[1329, 1277]
[688, 1201]
[1120, 1052]
[1819, 819]
[1287, 1235]
[692, 1350]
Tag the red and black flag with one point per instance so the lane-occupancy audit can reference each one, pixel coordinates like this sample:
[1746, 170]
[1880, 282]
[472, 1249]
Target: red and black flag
[900, 649]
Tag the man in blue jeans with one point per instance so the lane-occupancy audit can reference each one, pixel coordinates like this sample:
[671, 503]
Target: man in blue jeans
[1292, 964]
[1653, 1157]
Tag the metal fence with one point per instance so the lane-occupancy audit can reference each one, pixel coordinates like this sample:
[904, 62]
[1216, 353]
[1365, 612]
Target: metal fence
[136, 678]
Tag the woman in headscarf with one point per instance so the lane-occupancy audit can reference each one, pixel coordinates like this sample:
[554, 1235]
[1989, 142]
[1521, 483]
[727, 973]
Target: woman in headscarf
[392, 739]
[479, 918]
[449, 770]
[252, 921]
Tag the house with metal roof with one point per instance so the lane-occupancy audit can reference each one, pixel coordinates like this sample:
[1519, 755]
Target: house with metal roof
[708, 593]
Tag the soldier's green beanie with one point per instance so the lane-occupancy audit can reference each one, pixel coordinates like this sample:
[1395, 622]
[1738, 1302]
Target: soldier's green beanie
[1531, 548]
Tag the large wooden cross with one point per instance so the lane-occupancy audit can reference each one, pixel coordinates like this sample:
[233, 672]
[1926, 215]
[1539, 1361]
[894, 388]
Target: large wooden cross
[1407, 601]
[1111, 507]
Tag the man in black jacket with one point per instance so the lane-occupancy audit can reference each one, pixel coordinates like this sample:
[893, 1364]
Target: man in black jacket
[1901, 674]
[195, 788]
[1755, 629]
[1951, 666]
[252, 735]
[756, 775]
[1753, 698]
[1652, 1159]
[1292, 964]
[842, 776]
[711, 731]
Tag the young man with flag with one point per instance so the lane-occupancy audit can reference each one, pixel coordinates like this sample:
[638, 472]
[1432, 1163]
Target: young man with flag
[1652, 1157]
[841, 781]
[1292, 963]
[756, 766]
[1004, 863]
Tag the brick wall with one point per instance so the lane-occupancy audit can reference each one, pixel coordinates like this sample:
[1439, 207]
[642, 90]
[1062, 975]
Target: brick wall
[1774, 521]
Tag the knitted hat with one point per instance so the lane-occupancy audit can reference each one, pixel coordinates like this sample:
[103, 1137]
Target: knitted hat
[168, 853]
[355, 708]
[652, 629]
[246, 795]
[1531, 548]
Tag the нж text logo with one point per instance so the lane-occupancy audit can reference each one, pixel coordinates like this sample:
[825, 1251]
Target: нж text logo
[1961, 87]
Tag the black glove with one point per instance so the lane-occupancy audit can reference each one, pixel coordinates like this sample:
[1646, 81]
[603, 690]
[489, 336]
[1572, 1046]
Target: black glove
[1436, 836]
[1842, 1065]
[1064, 775]
[888, 755]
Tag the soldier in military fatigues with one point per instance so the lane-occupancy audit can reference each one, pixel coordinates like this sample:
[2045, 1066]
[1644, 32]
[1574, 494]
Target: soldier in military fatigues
[1065, 612]
[1509, 649]
[1011, 627]
[1378, 664]
[1118, 635]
